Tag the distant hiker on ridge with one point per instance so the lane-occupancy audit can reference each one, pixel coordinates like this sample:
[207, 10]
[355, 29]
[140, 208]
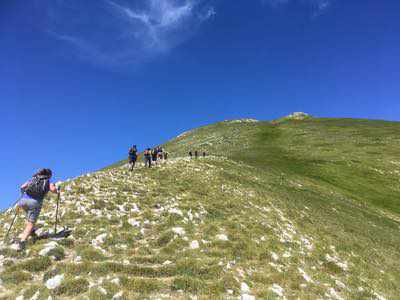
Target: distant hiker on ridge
[190, 154]
[196, 154]
[132, 156]
[147, 157]
[34, 192]
[154, 154]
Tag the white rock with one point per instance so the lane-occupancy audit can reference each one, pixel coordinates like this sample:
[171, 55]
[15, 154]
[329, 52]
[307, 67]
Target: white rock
[178, 230]
[340, 284]
[102, 290]
[100, 238]
[135, 208]
[222, 237]
[47, 248]
[244, 288]
[305, 275]
[14, 247]
[21, 297]
[379, 297]
[247, 297]
[134, 223]
[35, 296]
[277, 289]
[332, 293]
[115, 281]
[167, 262]
[274, 256]
[118, 295]
[54, 282]
[175, 211]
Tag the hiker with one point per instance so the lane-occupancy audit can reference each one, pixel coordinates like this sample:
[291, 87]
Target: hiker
[204, 154]
[132, 156]
[160, 153]
[147, 157]
[196, 154]
[154, 155]
[31, 202]
[190, 154]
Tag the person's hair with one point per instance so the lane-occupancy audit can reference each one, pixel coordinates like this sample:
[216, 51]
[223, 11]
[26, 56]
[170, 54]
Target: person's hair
[44, 172]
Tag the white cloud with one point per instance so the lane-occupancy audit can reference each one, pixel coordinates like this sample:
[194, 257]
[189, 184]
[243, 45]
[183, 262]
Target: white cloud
[115, 33]
[318, 6]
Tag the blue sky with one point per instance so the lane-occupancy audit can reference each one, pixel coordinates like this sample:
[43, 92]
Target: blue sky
[80, 81]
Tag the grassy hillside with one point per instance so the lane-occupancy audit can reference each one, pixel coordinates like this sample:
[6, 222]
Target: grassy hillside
[291, 209]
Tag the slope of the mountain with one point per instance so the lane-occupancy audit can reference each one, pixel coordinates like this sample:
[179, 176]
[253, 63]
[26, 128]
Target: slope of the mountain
[292, 209]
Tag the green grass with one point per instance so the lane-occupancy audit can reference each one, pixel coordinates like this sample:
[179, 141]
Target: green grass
[306, 205]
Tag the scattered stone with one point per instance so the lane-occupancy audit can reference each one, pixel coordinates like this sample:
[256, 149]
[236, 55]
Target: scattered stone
[118, 295]
[194, 245]
[179, 230]
[244, 288]
[274, 256]
[134, 223]
[54, 282]
[48, 247]
[35, 296]
[222, 237]
[277, 289]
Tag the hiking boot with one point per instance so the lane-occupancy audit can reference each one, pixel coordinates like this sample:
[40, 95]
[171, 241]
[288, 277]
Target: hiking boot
[21, 246]
[34, 235]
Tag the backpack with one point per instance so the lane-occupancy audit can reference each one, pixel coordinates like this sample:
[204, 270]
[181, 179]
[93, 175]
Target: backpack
[38, 187]
[132, 152]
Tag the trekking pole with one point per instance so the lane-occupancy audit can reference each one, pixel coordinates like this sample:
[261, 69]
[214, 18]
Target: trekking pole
[14, 218]
[58, 201]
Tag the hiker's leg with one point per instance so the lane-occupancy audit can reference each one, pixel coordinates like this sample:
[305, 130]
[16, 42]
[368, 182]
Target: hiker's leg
[26, 233]
[33, 211]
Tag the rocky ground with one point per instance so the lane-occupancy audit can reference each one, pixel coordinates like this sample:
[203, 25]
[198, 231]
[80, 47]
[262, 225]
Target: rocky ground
[206, 228]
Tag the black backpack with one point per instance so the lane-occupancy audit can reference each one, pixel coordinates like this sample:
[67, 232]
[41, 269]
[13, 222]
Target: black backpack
[132, 152]
[38, 187]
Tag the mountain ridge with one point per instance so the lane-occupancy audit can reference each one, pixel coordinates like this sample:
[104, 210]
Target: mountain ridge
[301, 209]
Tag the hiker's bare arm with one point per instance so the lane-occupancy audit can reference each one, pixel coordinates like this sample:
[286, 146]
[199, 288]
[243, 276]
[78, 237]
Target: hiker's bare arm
[53, 188]
[25, 185]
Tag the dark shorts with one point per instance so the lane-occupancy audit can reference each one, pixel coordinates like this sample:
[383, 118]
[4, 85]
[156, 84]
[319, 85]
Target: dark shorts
[132, 159]
[32, 208]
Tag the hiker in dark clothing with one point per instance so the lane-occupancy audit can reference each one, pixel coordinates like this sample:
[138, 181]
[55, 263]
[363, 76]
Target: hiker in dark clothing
[132, 156]
[196, 154]
[147, 157]
[190, 154]
[31, 202]
[204, 154]
[160, 154]
[154, 154]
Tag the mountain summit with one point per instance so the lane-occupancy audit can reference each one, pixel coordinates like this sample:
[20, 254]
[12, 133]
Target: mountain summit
[275, 210]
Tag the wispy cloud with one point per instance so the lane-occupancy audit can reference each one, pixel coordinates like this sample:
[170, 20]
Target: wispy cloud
[318, 7]
[114, 32]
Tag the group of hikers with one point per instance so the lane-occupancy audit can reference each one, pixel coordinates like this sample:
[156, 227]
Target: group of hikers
[150, 156]
[35, 190]
[196, 154]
